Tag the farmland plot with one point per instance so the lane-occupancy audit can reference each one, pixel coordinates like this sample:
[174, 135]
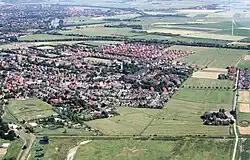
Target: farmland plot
[156, 150]
[212, 57]
[181, 115]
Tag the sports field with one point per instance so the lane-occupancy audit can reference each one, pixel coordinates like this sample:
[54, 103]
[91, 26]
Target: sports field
[212, 57]
[154, 150]
[29, 109]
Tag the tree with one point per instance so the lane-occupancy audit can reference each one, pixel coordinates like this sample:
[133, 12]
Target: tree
[11, 135]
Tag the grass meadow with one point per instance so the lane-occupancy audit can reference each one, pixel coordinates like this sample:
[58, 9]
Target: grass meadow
[132, 121]
[27, 109]
[14, 149]
[155, 150]
[100, 31]
[181, 116]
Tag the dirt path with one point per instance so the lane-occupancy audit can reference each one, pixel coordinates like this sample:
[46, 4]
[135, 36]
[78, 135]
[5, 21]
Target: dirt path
[73, 150]
[28, 139]
[235, 109]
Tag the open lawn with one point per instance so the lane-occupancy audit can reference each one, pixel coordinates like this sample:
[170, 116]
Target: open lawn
[156, 150]
[29, 109]
[132, 121]
[100, 31]
[212, 57]
[45, 37]
[202, 82]
[14, 149]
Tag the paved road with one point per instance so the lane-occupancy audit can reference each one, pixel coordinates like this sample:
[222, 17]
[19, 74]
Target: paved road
[235, 109]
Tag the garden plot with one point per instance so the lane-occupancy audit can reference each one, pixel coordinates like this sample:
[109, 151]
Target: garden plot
[208, 75]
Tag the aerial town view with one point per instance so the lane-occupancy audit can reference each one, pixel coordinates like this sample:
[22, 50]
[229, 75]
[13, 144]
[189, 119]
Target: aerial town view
[125, 79]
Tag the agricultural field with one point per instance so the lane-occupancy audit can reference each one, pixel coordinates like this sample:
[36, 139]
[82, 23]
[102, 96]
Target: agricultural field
[132, 121]
[243, 116]
[212, 57]
[196, 34]
[45, 37]
[181, 115]
[100, 43]
[203, 82]
[154, 150]
[100, 31]
[29, 109]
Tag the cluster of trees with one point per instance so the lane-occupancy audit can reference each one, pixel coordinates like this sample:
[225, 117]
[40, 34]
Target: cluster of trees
[4, 128]
[216, 118]
[122, 25]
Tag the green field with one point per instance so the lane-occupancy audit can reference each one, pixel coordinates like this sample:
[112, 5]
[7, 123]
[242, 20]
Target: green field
[132, 121]
[202, 82]
[156, 150]
[244, 151]
[181, 115]
[45, 37]
[57, 149]
[61, 132]
[244, 64]
[100, 31]
[21, 110]
[237, 32]
[14, 149]
[212, 57]
[100, 43]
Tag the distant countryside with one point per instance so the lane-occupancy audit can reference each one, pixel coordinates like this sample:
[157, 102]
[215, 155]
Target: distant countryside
[124, 79]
